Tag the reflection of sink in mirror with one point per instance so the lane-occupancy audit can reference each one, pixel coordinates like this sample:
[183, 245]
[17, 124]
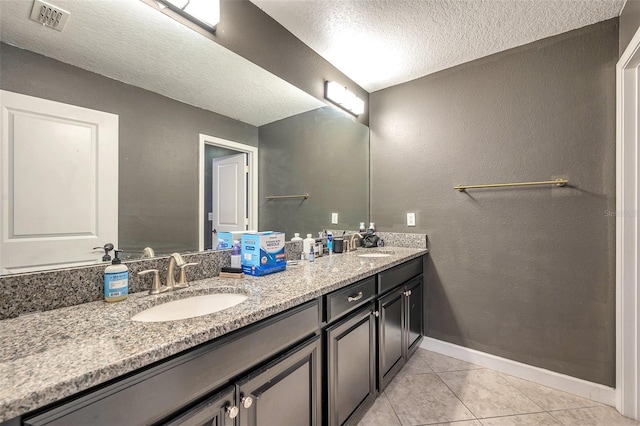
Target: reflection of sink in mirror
[190, 307]
[374, 255]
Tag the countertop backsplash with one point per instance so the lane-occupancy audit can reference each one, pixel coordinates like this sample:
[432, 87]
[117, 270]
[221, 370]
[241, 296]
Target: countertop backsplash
[22, 294]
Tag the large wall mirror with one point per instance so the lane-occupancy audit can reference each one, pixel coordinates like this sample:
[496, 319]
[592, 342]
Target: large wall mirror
[169, 87]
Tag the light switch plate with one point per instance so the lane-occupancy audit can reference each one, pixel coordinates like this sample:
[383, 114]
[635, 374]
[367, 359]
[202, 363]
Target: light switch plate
[334, 218]
[210, 216]
[411, 219]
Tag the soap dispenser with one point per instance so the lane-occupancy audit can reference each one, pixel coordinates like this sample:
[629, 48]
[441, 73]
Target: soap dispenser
[116, 280]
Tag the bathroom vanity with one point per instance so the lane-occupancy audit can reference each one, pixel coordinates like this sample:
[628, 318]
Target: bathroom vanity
[312, 345]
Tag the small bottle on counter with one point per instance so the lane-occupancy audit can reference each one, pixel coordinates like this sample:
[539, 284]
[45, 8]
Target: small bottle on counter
[235, 255]
[312, 253]
[362, 228]
[296, 237]
[307, 244]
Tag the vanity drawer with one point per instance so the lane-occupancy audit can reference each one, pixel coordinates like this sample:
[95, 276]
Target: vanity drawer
[388, 280]
[349, 298]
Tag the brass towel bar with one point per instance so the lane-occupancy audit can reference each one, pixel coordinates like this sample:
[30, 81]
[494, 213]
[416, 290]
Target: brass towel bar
[557, 182]
[281, 197]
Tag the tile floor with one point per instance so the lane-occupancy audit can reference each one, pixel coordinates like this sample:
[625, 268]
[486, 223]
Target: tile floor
[434, 389]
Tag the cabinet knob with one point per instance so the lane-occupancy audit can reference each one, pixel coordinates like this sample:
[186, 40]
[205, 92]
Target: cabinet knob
[407, 293]
[246, 401]
[232, 411]
[375, 313]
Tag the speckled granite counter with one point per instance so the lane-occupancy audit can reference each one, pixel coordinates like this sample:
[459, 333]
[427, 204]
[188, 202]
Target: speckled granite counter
[47, 356]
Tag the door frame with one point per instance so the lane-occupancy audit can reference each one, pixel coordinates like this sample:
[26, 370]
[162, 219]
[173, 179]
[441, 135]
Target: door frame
[252, 187]
[627, 242]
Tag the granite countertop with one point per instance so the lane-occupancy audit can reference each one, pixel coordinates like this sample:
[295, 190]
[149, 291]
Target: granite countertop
[47, 356]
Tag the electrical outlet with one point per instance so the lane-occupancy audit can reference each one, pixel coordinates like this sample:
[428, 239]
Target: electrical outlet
[411, 219]
[334, 218]
[210, 216]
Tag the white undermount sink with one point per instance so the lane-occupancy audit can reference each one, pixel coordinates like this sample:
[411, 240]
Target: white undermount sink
[374, 255]
[190, 307]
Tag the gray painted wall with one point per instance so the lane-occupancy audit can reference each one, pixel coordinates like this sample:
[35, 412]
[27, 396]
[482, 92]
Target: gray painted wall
[527, 274]
[158, 188]
[323, 153]
[629, 22]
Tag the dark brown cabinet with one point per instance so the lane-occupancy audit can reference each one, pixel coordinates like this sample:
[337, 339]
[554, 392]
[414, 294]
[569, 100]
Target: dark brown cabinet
[351, 366]
[400, 328]
[219, 410]
[286, 392]
[391, 335]
[415, 314]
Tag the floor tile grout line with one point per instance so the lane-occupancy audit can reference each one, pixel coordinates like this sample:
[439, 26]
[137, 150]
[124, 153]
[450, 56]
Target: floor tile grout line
[458, 398]
[384, 393]
[519, 391]
[557, 419]
[512, 415]
[556, 390]
[509, 384]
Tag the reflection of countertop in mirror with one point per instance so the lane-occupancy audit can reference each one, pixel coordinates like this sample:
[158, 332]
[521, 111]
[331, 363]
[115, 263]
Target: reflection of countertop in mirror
[51, 355]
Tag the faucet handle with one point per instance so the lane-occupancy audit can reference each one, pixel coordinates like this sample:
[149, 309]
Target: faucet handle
[155, 285]
[182, 277]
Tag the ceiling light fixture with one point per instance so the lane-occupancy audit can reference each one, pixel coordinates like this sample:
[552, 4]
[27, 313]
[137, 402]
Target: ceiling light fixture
[342, 97]
[205, 13]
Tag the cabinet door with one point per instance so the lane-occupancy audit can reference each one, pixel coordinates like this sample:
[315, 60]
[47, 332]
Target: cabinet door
[284, 392]
[391, 336]
[415, 315]
[218, 410]
[351, 366]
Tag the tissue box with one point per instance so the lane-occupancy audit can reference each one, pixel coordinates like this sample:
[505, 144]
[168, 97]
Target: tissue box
[263, 253]
[229, 237]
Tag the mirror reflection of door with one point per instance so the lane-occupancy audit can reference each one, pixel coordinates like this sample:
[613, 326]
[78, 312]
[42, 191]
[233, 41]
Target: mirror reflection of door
[59, 181]
[229, 196]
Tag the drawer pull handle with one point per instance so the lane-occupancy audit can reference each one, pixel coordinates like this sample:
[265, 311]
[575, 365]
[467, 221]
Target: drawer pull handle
[232, 412]
[356, 297]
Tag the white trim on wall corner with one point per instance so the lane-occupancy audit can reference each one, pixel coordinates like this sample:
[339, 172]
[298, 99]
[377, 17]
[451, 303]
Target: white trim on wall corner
[583, 388]
[627, 241]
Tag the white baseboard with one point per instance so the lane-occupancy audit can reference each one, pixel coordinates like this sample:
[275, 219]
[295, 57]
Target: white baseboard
[583, 388]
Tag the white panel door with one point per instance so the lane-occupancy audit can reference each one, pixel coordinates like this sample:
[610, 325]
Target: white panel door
[229, 197]
[59, 183]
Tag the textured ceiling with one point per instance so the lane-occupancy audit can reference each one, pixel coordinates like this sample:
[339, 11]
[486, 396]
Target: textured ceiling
[381, 43]
[129, 41]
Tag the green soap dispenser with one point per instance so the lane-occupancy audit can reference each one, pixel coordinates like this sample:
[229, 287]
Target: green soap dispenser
[116, 280]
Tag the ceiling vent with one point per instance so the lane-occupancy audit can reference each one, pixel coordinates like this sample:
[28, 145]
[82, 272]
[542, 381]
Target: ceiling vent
[49, 15]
